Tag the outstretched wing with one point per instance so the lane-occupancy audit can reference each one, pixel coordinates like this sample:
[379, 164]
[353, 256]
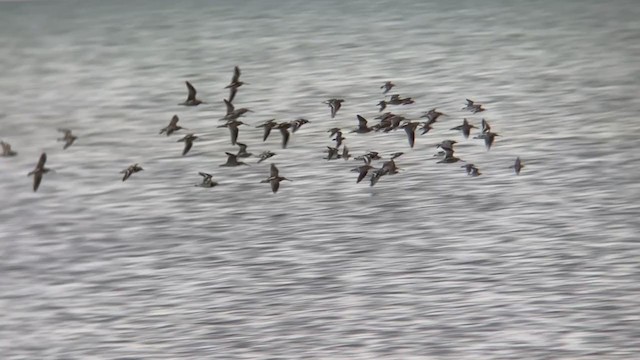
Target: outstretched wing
[285, 137]
[362, 122]
[36, 180]
[174, 121]
[274, 171]
[187, 147]
[229, 105]
[236, 75]
[243, 147]
[232, 93]
[192, 91]
[233, 130]
[43, 159]
[275, 185]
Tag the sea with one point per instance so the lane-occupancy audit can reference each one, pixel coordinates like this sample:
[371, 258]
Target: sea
[429, 263]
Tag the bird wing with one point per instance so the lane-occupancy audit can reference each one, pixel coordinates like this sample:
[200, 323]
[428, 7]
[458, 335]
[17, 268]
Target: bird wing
[187, 147]
[41, 161]
[285, 137]
[362, 122]
[411, 135]
[234, 134]
[174, 121]
[275, 185]
[232, 93]
[192, 91]
[205, 175]
[36, 180]
[469, 102]
[229, 105]
[236, 75]
[274, 171]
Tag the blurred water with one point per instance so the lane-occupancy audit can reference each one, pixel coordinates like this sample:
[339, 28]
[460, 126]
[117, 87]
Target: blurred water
[427, 264]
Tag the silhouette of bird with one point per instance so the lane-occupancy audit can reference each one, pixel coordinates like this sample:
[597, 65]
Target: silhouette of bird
[232, 112]
[485, 126]
[362, 126]
[465, 128]
[339, 138]
[38, 171]
[191, 97]
[383, 105]
[410, 129]
[232, 160]
[488, 137]
[333, 153]
[473, 107]
[265, 155]
[207, 181]
[6, 149]
[335, 105]
[274, 179]
[387, 86]
[333, 131]
[284, 130]
[297, 124]
[188, 143]
[517, 166]
[232, 125]
[173, 126]
[68, 138]
[234, 84]
[267, 125]
[130, 171]
[242, 153]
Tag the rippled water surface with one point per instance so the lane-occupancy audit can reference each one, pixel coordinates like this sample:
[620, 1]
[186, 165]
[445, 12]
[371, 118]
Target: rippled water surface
[428, 264]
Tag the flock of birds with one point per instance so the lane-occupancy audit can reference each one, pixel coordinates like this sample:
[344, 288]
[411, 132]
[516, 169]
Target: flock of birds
[387, 122]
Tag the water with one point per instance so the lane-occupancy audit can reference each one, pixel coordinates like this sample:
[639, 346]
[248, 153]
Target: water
[428, 264]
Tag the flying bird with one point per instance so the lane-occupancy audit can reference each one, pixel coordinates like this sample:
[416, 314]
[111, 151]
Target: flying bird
[387, 86]
[517, 166]
[207, 181]
[274, 179]
[234, 84]
[465, 128]
[232, 160]
[39, 171]
[191, 97]
[173, 126]
[68, 138]
[6, 149]
[335, 105]
[130, 171]
[188, 143]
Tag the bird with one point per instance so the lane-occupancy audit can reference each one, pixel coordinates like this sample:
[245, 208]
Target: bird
[485, 126]
[191, 97]
[382, 104]
[426, 126]
[335, 105]
[242, 152]
[232, 160]
[449, 157]
[345, 153]
[232, 112]
[284, 130]
[130, 171]
[188, 143]
[207, 182]
[265, 155]
[387, 86]
[274, 179]
[6, 149]
[68, 138]
[410, 129]
[473, 107]
[488, 137]
[234, 84]
[388, 168]
[38, 171]
[333, 131]
[432, 115]
[362, 126]
[363, 170]
[173, 126]
[297, 124]
[517, 166]
[333, 153]
[267, 125]
[232, 125]
[396, 155]
[446, 145]
[468, 168]
[465, 128]
[338, 139]
[475, 172]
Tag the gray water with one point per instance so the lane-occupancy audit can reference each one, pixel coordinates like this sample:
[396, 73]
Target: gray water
[428, 264]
